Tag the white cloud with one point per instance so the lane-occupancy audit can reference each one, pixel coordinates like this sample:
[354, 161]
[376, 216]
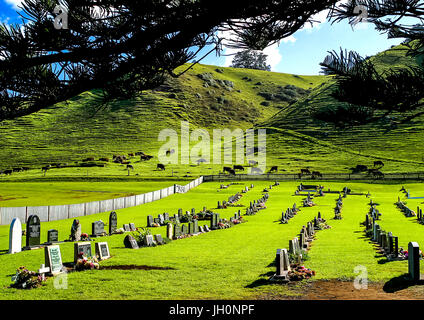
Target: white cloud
[14, 3]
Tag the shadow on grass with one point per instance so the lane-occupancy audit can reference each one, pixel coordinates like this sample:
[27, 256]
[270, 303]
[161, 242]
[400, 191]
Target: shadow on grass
[400, 283]
[2, 252]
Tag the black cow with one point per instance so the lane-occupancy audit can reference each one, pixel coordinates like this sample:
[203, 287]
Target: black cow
[160, 166]
[378, 164]
[305, 171]
[131, 167]
[316, 174]
[8, 172]
[227, 169]
[273, 169]
[236, 167]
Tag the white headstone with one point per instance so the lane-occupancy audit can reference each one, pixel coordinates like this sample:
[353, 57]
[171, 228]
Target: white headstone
[15, 236]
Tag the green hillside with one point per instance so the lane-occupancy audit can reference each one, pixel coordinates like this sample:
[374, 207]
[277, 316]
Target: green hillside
[210, 97]
[398, 145]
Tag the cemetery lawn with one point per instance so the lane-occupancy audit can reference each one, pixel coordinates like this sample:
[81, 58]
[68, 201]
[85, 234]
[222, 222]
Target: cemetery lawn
[232, 263]
[21, 194]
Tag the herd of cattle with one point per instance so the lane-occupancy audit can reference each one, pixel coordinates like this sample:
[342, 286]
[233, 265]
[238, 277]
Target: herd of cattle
[125, 160]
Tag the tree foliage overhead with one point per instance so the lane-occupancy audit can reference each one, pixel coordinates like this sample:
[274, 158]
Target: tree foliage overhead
[250, 59]
[359, 82]
[125, 46]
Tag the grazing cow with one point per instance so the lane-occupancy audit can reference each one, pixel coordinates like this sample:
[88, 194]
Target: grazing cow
[160, 166]
[145, 157]
[305, 171]
[359, 168]
[88, 159]
[104, 159]
[378, 164]
[236, 167]
[130, 167]
[232, 172]
[227, 169]
[130, 154]
[17, 169]
[8, 172]
[273, 169]
[44, 169]
[316, 174]
[139, 153]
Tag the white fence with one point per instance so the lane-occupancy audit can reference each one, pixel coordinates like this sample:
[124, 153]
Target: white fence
[69, 211]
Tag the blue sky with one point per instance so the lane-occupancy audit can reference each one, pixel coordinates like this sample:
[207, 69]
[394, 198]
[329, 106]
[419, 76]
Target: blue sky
[299, 54]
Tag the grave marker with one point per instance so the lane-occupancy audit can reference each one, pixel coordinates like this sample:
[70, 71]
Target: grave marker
[52, 236]
[159, 239]
[97, 228]
[15, 236]
[53, 259]
[130, 242]
[102, 250]
[414, 261]
[113, 222]
[33, 231]
[82, 247]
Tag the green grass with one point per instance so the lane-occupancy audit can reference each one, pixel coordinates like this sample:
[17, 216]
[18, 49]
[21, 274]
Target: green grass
[19, 194]
[226, 264]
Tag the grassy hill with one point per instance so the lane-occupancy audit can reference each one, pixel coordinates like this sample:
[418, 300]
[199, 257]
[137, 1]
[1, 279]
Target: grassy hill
[210, 97]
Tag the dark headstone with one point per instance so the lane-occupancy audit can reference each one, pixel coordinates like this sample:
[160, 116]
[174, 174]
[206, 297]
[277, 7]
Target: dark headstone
[127, 227]
[159, 239]
[130, 242]
[150, 221]
[132, 227]
[52, 236]
[33, 231]
[83, 248]
[414, 261]
[113, 222]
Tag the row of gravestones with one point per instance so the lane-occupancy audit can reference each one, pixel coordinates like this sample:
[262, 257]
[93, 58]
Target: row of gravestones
[389, 245]
[289, 213]
[373, 212]
[53, 264]
[165, 218]
[276, 183]
[420, 216]
[307, 202]
[33, 232]
[406, 211]
[297, 247]
[338, 207]
[255, 206]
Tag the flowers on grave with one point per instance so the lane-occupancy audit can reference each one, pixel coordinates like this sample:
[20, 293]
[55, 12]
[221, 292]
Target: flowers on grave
[26, 279]
[323, 226]
[299, 272]
[86, 263]
[85, 237]
[140, 235]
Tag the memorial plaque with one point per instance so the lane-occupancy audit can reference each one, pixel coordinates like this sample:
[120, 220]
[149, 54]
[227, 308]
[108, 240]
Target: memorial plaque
[97, 228]
[53, 259]
[52, 236]
[113, 222]
[82, 247]
[102, 250]
[33, 231]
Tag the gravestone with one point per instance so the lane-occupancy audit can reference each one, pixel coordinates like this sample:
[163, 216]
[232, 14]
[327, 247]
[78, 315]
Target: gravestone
[82, 247]
[53, 259]
[97, 228]
[191, 227]
[177, 231]
[126, 227]
[283, 264]
[102, 250]
[195, 226]
[201, 229]
[184, 229]
[52, 236]
[414, 261]
[113, 222]
[170, 231]
[130, 242]
[180, 211]
[148, 240]
[161, 219]
[193, 211]
[149, 220]
[15, 236]
[156, 220]
[159, 239]
[76, 230]
[132, 227]
[206, 228]
[166, 216]
[33, 231]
